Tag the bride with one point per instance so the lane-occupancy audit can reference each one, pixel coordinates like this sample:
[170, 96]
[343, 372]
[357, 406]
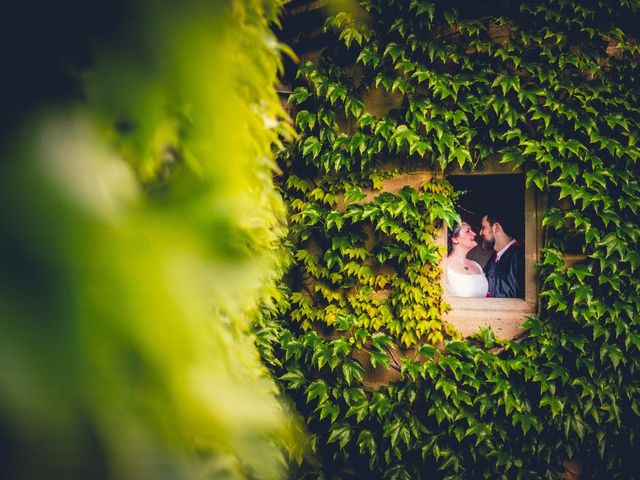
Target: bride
[465, 277]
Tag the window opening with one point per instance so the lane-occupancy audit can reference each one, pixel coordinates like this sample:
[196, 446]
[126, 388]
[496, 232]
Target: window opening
[483, 191]
[500, 195]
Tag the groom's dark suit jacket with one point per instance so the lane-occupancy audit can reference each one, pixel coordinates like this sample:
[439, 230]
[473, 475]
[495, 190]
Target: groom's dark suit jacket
[506, 276]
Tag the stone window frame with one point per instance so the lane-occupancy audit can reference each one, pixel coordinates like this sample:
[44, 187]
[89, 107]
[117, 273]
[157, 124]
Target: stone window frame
[504, 315]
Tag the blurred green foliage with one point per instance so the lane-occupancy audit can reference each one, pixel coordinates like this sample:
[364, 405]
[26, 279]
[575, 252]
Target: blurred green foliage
[141, 232]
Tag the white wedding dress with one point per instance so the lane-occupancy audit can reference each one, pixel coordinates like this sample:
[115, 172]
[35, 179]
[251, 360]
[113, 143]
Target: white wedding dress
[461, 285]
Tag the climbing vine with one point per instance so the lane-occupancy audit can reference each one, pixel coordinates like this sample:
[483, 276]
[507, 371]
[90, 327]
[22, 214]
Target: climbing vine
[549, 87]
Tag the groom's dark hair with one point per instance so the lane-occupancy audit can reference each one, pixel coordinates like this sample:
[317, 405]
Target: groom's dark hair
[505, 220]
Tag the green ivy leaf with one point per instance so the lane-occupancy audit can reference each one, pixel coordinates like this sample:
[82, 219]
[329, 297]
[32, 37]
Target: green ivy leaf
[299, 95]
[397, 430]
[329, 409]
[398, 472]
[317, 389]
[367, 443]
[352, 370]
[311, 147]
[341, 433]
[536, 177]
[294, 378]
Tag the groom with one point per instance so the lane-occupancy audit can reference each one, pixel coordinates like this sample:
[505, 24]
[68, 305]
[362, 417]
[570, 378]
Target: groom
[505, 268]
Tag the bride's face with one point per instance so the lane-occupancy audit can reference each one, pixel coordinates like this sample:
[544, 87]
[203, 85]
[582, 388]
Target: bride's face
[466, 237]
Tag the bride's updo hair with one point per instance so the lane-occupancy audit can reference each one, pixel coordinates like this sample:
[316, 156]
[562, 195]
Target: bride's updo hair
[451, 234]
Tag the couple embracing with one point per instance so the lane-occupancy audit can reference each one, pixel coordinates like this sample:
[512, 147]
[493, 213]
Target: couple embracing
[503, 274]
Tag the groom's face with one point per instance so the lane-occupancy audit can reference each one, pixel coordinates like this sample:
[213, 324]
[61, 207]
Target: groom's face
[486, 232]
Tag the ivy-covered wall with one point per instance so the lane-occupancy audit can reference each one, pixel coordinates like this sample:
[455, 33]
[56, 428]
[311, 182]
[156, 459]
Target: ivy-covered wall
[548, 87]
